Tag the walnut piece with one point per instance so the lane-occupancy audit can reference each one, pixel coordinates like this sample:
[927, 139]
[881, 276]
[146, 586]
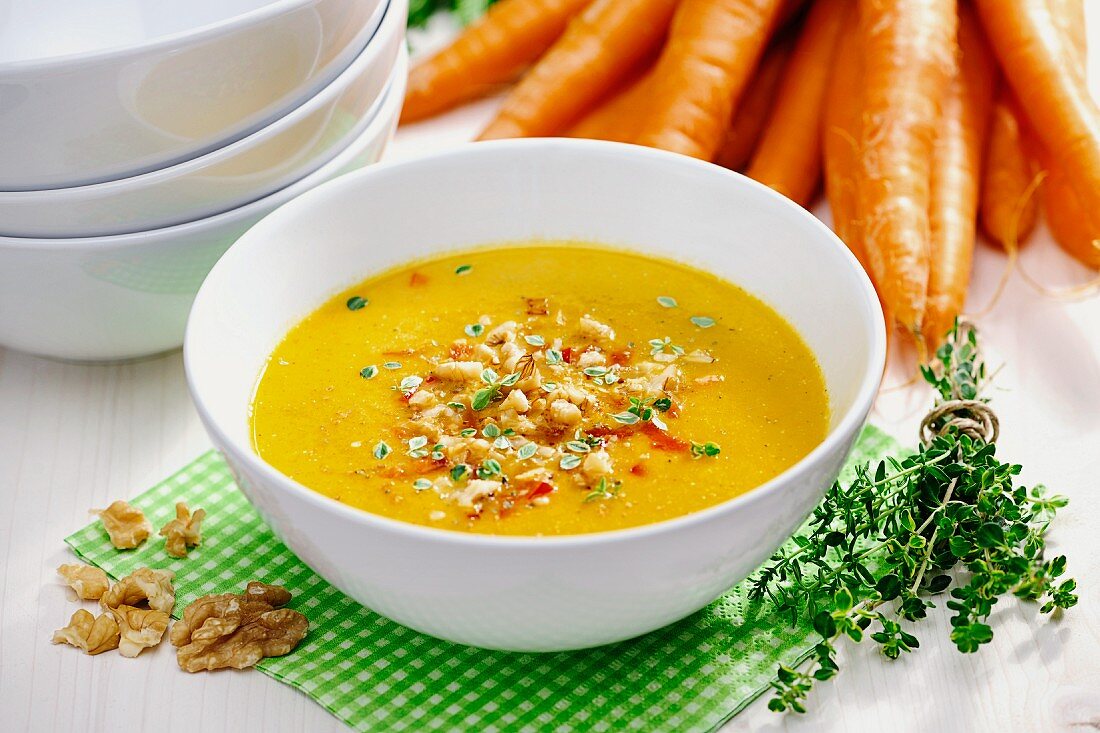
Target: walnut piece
[231, 630]
[183, 531]
[140, 628]
[459, 371]
[125, 524]
[564, 413]
[88, 582]
[592, 329]
[142, 585]
[538, 306]
[93, 634]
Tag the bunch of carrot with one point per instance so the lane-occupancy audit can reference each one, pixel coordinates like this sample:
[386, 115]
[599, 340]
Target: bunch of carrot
[921, 118]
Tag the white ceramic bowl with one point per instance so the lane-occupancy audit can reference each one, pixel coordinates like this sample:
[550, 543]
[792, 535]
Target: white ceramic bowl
[93, 90]
[112, 298]
[515, 593]
[249, 169]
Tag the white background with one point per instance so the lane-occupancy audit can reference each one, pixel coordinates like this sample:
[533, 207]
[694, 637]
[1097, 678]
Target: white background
[74, 437]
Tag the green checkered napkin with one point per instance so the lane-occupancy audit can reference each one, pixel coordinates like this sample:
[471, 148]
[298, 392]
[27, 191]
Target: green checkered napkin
[377, 675]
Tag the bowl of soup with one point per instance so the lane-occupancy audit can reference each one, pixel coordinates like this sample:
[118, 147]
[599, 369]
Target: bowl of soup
[536, 395]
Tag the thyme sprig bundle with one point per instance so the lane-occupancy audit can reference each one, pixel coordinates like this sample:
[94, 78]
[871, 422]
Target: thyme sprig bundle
[948, 517]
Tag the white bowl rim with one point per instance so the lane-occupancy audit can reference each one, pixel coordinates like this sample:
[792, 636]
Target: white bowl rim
[325, 95]
[297, 188]
[851, 422]
[202, 33]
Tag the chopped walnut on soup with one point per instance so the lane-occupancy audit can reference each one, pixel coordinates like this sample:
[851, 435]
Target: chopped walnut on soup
[513, 414]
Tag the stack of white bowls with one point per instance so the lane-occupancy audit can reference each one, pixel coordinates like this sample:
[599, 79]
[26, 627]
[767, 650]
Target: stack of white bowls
[140, 138]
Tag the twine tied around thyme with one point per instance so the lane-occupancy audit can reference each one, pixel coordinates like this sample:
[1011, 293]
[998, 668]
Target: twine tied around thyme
[970, 417]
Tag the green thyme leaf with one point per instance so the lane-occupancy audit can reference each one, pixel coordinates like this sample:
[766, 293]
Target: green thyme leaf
[489, 468]
[699, 450]
[657, 346]
[603, 490]
[410, 383]
[482, 398]
[569, 462]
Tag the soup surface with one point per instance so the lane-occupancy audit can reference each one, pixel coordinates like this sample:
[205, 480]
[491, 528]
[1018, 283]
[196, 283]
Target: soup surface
[539, 389]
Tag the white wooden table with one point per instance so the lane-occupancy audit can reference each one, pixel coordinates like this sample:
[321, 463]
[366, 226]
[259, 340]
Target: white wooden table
[74, 437]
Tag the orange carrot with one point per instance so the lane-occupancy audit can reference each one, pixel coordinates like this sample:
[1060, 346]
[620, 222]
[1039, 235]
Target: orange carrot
[841, 125]
[1067, 219]
[788, 158]
[1044, 70]
[491, 51]
[751, 114]
[841, 129]
[598, 49]
[712, 49]
[957, 167]
[909, 52]
[617, 119]
[1072, 228]
[1008, 208]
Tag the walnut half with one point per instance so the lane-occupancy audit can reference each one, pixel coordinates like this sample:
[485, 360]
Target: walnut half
[88, 582]
[183, 531]
[93, 634]
[143, 585]
[140, 628]
[125, 524]
[237, 630]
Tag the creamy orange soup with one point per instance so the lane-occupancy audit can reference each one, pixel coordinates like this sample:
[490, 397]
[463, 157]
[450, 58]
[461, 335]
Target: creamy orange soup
[539, 389]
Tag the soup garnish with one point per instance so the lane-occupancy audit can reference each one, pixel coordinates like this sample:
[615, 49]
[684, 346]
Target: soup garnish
[553, 388]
